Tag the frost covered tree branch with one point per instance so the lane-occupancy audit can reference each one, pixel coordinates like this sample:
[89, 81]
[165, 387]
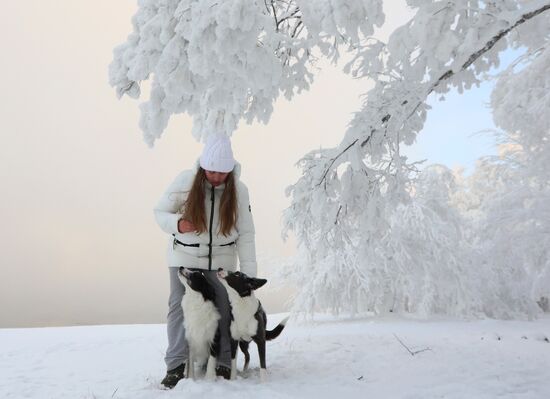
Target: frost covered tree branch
[450, 73]
[221, 62]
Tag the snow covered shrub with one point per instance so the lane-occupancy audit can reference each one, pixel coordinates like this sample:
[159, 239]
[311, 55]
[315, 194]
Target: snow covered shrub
[421, 263]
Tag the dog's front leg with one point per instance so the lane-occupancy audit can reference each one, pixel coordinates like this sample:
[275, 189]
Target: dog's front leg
[190, 366]
[212, 359]
[234, 346]
[211, 368]
[244, 348]
[261, 353]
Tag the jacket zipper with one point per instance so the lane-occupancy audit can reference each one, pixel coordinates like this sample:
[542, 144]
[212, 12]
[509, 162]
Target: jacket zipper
[210, 229]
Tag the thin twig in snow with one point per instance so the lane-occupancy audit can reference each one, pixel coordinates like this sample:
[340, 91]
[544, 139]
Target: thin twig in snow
[407, 348]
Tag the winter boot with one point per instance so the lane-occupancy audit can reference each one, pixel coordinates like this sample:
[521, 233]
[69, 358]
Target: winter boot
[173, 376]
[223, 371]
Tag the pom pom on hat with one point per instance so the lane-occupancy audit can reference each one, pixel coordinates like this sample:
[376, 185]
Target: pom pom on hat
[217, 155]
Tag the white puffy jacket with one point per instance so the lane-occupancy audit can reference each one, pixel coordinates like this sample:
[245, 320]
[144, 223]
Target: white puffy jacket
[243, 233]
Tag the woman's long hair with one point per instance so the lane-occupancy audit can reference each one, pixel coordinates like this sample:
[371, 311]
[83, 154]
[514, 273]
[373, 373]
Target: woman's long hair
[193, 208]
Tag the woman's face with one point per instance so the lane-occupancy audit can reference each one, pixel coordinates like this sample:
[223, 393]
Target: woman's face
[215, 178]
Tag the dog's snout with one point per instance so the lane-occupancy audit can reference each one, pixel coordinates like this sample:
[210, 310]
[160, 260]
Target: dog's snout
[183, 272]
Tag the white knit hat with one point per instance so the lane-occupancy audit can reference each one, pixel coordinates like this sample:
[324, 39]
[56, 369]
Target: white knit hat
[217, 155]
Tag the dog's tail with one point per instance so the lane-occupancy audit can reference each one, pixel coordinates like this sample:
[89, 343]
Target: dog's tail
[272, 334]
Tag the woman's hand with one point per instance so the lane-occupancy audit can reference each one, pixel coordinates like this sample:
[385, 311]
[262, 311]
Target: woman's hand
[185, 226]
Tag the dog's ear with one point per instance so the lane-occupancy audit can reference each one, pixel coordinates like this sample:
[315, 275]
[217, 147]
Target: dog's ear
[256, 283]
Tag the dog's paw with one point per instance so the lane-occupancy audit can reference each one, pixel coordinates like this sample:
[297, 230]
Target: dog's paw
[263, 375]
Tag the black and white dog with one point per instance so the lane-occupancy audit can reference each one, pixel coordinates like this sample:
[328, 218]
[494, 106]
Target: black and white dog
[200, 321]
[249, 319]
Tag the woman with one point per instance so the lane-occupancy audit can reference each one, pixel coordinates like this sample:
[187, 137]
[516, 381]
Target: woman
[207, 213]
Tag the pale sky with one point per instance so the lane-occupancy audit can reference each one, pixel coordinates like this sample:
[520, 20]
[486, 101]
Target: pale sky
[79, 241]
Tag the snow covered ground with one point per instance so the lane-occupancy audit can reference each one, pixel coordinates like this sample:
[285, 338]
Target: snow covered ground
[323, 359]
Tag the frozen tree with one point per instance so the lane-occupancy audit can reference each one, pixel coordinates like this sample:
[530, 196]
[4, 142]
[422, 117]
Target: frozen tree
[346, 198]
[514, 232]
[506, 201]
[222, 61]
